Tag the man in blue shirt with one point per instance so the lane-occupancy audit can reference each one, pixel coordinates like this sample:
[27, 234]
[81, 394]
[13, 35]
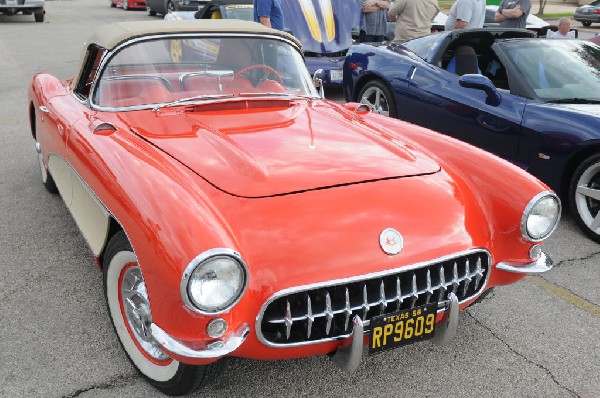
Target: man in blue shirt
[269, 13]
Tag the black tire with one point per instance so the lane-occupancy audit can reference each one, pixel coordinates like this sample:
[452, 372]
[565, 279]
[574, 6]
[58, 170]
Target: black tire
[150, 12]
[47, 179]
[171, 6]
[379, 97]
[112, 4]
[39, 16]
[164, 373]
[584, 196]
[586, 23]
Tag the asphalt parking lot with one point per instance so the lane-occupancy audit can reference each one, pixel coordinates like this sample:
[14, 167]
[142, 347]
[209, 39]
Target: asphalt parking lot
[537, 338]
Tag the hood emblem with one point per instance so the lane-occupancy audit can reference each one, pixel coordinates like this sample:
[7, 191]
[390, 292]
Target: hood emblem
[391, 241]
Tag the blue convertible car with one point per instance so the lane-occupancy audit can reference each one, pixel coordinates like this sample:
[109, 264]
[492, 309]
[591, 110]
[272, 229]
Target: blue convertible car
[534, 102]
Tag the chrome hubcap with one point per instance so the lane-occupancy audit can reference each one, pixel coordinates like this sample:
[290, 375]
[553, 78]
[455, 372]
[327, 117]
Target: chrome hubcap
[587, 197]
[375, 98]
[137, 311]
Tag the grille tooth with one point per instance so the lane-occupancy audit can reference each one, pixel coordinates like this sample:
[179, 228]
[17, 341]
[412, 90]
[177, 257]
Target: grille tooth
[288, 320]
[442, 290]
[328, 313]
[382, 300]
[467, 281]
[428, 290]
[478, 274]
[365, 306]
[323, 312]
[347, 310]
[309, 317]
[398, 294]
[415, 292]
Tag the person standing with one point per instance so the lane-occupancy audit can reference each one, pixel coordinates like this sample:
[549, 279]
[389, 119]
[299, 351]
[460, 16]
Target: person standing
[513, 13]
[413, 18]
[564, 30]
[269, 13]
[374, 21]
[466, 14]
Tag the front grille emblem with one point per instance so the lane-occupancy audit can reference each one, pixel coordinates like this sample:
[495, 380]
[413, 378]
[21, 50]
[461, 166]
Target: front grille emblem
[391, 241]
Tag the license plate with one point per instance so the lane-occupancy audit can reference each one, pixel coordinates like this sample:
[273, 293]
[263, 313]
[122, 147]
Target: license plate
[336, 75]
[402, 328]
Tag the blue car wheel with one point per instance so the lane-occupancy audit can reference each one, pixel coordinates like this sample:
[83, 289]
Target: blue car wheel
[379, 97]
[584, 195]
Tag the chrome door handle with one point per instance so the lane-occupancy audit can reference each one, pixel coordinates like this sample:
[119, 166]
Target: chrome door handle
[44, 109]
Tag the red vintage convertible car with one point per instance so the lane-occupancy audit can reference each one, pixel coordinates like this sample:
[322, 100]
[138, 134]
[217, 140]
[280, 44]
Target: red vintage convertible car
[235, 212]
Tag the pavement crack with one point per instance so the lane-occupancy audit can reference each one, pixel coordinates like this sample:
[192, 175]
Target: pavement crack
[117, 381]
[569, 260]
[530, 361]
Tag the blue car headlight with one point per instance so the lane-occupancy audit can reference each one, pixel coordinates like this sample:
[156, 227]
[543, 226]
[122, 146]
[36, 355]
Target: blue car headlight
[541, 216]
[214, 281]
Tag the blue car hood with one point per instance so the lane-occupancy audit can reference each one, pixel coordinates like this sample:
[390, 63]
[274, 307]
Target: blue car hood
[322, 26]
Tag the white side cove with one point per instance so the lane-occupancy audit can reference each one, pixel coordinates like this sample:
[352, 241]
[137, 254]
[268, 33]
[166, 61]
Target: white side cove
[89, 213]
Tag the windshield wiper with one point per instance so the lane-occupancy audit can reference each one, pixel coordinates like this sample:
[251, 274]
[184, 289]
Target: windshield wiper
[191, 99]
[574, 101]
[273, 94]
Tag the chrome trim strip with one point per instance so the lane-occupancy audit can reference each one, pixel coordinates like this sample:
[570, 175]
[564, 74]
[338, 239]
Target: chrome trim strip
[446, 329]
[348, 358]
[528, 209]
[196, 262]
[413, 294]
[231, 342]
[160, 78]
[181, 35]
[542, 264]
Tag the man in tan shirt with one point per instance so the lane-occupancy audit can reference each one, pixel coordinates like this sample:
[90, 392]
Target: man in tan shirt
[413, 18]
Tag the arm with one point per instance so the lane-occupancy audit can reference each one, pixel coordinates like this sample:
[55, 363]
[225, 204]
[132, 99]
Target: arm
[513, 12]
[265, 21]
[397, 8]
[460, 24]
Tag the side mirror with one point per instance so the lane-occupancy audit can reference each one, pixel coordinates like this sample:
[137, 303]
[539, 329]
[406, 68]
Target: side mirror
[357, 108]
[480, 82]
[318, 78]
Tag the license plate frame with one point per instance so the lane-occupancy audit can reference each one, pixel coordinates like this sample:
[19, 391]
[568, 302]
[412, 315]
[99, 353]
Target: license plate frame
[391, 331]
[336, 75]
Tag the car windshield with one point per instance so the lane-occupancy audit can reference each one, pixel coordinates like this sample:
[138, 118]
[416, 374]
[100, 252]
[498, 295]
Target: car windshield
[167, 70]
[422, 46]
[558, 70]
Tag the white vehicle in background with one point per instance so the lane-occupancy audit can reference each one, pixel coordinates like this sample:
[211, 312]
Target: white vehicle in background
[538, 25]
[27, 7]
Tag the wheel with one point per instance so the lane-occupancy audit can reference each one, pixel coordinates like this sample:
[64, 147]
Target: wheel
[47, 179]
[129, 308]
[379, 97]
[149, 12]
[39, 16]
[125, 5]
[267, 68]
[584, 196]
[586, 23]
[171, 6]
[112, 4]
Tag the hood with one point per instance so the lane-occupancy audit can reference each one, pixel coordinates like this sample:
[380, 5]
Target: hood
[324, 26]
[259, 148]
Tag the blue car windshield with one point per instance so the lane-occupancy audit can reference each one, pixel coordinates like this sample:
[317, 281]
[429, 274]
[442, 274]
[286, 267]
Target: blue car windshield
[558, 70]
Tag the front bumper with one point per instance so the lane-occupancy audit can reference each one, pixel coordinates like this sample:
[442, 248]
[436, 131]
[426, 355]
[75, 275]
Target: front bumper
[211, 351]
[543, 264]
[21, 5]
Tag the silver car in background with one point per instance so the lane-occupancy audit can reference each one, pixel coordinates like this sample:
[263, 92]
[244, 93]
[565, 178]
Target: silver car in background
[27, 7]
[588, 13]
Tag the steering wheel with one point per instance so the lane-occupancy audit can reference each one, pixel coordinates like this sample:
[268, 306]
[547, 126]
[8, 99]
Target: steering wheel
[267, 68]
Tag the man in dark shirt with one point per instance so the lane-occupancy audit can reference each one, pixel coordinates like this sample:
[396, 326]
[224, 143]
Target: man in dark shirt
[513, 13]
[269, 13]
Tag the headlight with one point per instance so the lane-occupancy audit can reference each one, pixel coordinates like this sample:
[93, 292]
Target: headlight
[541, 216]
[214, 281]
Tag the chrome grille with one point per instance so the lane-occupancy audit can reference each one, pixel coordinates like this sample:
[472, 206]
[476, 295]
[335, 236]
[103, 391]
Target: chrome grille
[318, 313]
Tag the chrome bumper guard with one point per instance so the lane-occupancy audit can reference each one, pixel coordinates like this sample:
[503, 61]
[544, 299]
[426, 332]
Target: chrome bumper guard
[543, 264]
[349, 357]
[215, 349]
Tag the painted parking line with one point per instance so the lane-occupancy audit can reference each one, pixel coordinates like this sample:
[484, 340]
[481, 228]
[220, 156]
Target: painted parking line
[566, 295]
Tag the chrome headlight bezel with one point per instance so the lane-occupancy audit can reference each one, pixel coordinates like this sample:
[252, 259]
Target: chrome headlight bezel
[529, 209]
[203, 259]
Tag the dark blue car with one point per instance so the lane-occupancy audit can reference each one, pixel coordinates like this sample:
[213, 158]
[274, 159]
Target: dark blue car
[534, 102]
